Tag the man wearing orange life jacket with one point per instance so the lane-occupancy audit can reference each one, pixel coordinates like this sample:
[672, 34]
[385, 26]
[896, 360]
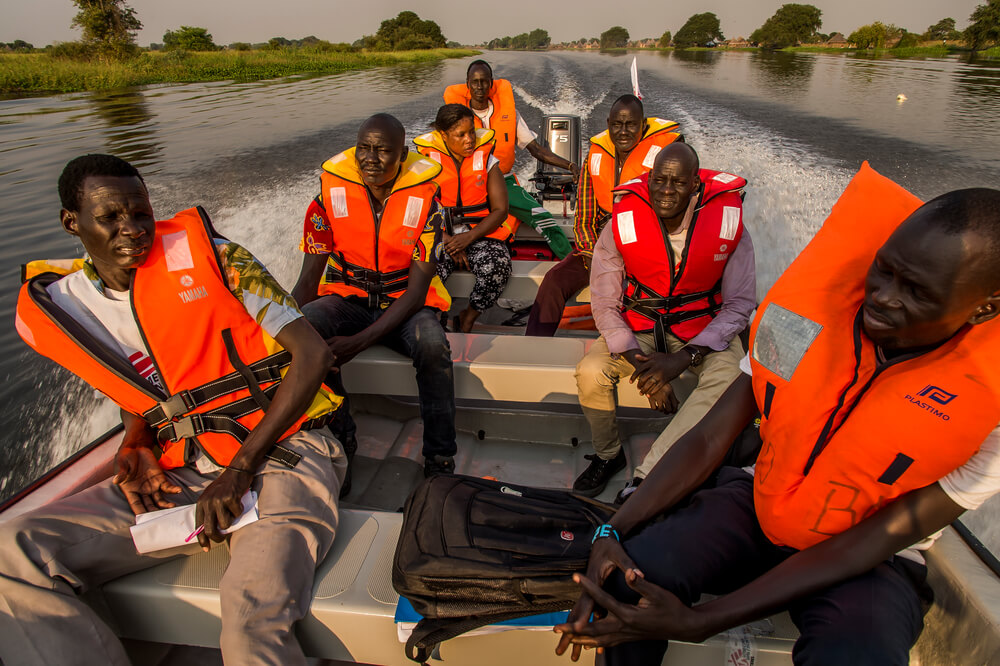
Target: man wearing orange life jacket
[492, 102]
[873, 368]
[372, 239]
[676, 240]
[624, 151]
[194, 340]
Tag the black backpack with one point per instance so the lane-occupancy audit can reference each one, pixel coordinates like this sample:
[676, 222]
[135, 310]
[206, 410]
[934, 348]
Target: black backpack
[474, 552]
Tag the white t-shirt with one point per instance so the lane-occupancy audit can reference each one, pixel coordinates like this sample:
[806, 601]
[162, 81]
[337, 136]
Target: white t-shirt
[108, 317]
[524, 133]
[969, 486]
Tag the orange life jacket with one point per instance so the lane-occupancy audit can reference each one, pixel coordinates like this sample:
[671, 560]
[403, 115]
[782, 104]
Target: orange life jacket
[843, 435]
[464, 191]
[601, 160]
[679, 295]
[371, 254]
[503, 121]
[219, 368]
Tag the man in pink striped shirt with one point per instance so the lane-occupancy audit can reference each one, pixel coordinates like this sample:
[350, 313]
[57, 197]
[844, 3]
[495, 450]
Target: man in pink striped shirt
[680, 194]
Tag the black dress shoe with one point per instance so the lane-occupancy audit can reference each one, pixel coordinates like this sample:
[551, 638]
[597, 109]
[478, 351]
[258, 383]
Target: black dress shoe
[598, 473]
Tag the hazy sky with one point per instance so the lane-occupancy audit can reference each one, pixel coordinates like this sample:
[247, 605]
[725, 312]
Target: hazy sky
[41, 22]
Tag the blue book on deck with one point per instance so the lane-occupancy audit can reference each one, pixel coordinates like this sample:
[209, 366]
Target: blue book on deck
[405, 613]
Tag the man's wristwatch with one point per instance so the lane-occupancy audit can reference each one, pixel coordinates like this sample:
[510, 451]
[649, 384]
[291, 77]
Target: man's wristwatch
[697, 356]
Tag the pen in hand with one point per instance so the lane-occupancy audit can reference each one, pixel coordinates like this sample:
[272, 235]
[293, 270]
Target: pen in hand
[198, 530]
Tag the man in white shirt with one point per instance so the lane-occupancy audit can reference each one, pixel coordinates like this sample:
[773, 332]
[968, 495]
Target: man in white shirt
[816, 525]
[492, 101]
[119, 320]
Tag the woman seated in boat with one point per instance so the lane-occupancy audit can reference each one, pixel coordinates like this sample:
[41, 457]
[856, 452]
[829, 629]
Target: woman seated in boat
[474, 198]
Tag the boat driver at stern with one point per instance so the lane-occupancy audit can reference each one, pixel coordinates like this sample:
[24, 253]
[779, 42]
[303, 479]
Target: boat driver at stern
[219, 380]
[372, 239]
[873, 364]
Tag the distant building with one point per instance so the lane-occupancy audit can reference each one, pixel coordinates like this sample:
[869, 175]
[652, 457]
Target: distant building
[837, 41]
[738, 43]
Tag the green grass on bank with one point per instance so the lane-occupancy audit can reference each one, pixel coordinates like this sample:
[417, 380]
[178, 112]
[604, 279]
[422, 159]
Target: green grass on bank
[39, 73]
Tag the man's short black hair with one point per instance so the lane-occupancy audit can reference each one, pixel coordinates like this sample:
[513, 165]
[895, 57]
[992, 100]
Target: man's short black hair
[388, 122]
[478, 63]
[79, 169]
[630, 100]
[973, 211]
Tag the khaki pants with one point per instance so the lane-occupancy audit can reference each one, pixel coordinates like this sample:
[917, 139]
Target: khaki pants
[598, 374]
[50, 555]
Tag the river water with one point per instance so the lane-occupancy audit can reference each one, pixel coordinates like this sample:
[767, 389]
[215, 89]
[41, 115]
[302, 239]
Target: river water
[795, 125]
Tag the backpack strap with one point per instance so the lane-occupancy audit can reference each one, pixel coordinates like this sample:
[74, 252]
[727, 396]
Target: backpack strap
[431, 632]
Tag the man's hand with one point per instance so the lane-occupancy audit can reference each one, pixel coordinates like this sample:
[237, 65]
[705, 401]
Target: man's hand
[220, 505]
[664, 400]
[141, 480]
[344, 348]
[574, 169]
[455, 245]
[606, 555]
[659, 615]
[656, 370]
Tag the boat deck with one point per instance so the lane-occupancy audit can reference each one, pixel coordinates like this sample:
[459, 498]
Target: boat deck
[518, 421]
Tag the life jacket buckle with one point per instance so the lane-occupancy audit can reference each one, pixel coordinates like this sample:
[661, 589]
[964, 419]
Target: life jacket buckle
[188, 427]
[178, 404]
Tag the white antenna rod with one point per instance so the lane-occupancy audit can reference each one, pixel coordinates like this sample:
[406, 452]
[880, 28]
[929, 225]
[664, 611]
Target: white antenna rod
[635, 79]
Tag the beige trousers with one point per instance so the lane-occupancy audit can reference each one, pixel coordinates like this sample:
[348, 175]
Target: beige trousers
[50, 555]
[597, 377]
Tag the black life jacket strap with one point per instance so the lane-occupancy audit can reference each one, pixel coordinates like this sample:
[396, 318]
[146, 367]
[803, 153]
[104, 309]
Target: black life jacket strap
[377, 285]
[661, 310]
[224, 420]
[193, 425]
[467, 214]
[244, 370]
[265, 370]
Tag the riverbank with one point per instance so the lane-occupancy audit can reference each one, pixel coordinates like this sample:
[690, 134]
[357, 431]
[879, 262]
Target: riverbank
[32, 74]
[937, 51]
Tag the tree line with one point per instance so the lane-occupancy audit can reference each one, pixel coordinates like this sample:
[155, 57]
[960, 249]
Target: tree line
[536, 39]
[795, 24]
[109, 29]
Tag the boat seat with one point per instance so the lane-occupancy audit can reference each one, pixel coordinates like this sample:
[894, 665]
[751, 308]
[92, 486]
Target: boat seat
[508, 368]
[351, 615]
[525, 278]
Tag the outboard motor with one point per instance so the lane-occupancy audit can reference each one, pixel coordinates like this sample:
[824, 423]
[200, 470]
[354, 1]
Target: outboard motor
[561, 133]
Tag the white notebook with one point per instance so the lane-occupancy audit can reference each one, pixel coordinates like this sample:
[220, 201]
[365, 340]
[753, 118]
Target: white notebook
[169, 528]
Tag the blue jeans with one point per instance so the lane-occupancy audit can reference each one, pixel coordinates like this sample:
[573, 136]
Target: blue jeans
[420, 337]
[713, 543]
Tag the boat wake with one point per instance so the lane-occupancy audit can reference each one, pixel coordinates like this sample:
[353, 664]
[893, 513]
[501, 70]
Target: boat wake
[567, 98]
